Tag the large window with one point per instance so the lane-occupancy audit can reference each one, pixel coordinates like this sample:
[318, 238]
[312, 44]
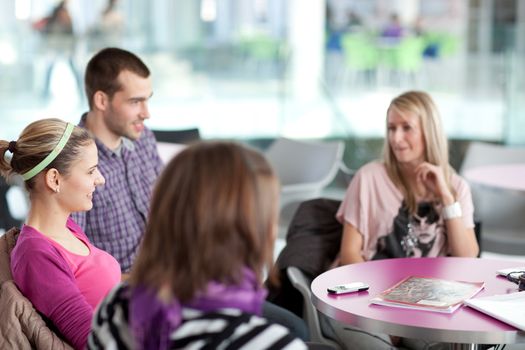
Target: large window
[229, 67]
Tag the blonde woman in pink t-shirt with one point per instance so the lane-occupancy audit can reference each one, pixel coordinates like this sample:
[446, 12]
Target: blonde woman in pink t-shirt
[53, 263]
[412, 203]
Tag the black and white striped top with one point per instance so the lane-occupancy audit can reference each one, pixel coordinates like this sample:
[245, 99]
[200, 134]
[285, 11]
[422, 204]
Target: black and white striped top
[221, 329]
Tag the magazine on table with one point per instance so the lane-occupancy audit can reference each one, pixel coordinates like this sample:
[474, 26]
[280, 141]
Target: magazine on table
[428, 293]
[508, 308]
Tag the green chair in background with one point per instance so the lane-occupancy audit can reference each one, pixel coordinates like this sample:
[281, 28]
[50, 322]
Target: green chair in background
[404, 60]
[360, 52]
[361, 55]
[262, 51]
[448, 44]
[408, 55]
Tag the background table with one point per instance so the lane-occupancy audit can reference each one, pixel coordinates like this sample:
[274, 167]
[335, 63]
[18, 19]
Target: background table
[506, 176]
[498, 191]
[465, 325]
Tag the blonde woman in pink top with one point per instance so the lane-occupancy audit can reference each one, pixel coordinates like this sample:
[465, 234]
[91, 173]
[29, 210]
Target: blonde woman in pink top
[410, 204]
[53, 263]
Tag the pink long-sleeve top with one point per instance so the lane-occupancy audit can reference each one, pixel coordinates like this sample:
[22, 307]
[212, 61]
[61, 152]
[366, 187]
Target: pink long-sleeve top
[63, 286]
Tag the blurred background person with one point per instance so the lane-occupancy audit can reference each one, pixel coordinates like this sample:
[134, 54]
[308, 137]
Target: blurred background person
[108, 31]
[59, 43]
[393, 28]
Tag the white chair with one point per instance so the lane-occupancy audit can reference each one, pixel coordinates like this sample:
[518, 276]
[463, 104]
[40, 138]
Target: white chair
[500, 211]
[482, 153]
[304, 169]
[304, 166]
[310, 313]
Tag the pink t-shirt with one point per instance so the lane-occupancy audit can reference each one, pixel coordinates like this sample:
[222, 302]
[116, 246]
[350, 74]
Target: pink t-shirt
[63, 286]
[374, 206]
[96, 273]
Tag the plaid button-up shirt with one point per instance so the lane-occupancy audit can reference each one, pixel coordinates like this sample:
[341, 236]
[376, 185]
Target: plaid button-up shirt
[117, 220]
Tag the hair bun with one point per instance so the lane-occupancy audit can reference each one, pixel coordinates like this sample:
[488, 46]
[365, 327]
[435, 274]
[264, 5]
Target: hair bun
[12, 146]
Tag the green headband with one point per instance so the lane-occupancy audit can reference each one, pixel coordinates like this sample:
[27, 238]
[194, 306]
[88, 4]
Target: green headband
[51, 156]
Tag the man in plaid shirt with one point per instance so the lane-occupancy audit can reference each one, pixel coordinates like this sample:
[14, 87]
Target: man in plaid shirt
[118, 88]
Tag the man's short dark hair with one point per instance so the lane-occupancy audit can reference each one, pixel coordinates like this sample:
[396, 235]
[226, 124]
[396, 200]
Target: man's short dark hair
[103, 69]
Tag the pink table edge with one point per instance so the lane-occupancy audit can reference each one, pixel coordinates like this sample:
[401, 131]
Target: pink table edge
[465, 325]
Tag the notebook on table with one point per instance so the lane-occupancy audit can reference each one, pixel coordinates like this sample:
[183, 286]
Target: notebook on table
[508, 308]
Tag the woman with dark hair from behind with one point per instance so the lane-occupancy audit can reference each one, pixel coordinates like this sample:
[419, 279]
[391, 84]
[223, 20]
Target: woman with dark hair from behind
[197, 280]
[53, 263]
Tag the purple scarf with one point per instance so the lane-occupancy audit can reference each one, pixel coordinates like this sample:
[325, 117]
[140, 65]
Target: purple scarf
[152, 321]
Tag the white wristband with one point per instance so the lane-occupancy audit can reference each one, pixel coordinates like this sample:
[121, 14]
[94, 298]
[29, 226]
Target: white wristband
[452, 211]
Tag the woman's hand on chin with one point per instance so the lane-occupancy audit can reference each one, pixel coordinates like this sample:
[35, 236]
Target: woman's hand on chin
[433, 179]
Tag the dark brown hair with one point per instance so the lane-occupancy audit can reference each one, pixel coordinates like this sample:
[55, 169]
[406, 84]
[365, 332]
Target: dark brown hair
[213, 212]
[35, 142]
[103, 69]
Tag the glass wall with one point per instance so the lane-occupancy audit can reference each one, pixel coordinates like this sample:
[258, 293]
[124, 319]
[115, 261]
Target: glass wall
[263, 68]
